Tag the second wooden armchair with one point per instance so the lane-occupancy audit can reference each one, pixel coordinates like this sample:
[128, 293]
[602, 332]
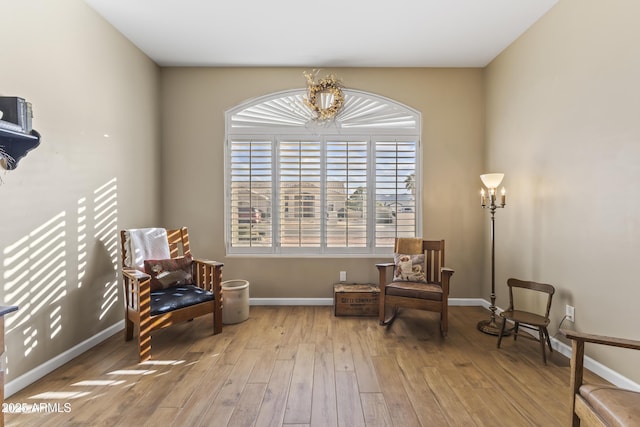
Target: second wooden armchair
[420, 280]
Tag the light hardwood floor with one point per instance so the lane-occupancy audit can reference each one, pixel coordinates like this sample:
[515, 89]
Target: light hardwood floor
[301, 366]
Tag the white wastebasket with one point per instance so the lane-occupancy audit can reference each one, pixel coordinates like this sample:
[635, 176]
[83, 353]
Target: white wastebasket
[235, 301]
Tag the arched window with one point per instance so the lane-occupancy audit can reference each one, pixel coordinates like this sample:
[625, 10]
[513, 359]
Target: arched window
[297, 186]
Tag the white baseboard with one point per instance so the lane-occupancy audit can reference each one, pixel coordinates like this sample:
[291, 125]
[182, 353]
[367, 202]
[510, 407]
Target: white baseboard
[49, 366]
[35, 374]
[461, 302]
[329, 301]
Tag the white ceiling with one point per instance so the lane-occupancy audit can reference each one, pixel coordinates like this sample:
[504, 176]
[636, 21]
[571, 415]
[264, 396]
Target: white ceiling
[330, 33]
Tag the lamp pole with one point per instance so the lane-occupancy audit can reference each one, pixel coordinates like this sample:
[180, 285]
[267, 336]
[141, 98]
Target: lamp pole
[492, 181]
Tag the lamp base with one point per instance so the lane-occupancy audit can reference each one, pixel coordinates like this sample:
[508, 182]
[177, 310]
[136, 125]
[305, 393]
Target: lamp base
[492, 327]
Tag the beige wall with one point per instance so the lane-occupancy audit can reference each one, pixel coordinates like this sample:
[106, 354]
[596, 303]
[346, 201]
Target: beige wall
[561, 121]
[452, 104]
[563, 108]
[65, 201]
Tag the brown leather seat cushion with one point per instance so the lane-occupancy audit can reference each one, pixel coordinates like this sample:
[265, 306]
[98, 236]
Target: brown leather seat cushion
[429, 291]
[616, 406]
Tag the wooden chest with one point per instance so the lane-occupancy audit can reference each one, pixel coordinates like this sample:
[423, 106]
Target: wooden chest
[351, 299]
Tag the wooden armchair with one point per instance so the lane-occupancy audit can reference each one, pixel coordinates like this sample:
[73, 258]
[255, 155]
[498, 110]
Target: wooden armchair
[599, 405]
[429, 294]
[159, 308]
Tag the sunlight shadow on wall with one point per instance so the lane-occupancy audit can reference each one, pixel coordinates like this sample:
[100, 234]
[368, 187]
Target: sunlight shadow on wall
[82, 240]
[105, 214]
[58, 273]
[55, 321]
[35, 280]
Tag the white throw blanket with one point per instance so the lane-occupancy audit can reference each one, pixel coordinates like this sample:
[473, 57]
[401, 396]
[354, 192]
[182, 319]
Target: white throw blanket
[145, 243]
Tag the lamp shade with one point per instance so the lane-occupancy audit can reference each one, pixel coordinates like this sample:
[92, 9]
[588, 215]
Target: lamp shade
[492, 180]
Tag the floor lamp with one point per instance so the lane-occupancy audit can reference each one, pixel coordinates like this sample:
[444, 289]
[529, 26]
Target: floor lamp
[489, 201]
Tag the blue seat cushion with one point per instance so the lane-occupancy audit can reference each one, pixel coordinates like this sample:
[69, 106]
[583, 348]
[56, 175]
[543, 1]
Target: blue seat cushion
[175, 297]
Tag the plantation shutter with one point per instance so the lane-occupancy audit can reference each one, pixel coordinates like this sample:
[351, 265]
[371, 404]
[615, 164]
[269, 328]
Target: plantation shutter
[347, 193]
[395, 190]
[251, 186]
[300, 193]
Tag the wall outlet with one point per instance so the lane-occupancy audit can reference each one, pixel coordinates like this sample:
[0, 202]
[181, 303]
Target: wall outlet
[343, 276]
[570, 312]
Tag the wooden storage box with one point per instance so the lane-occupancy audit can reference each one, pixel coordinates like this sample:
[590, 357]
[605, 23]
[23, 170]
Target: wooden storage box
[352, 299]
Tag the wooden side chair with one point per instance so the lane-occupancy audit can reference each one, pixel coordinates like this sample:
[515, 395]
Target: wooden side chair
[595, 404]
[528, 319]
[162, 292]
[420, 280]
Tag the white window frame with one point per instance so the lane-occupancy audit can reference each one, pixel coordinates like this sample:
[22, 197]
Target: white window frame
[283, 116]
